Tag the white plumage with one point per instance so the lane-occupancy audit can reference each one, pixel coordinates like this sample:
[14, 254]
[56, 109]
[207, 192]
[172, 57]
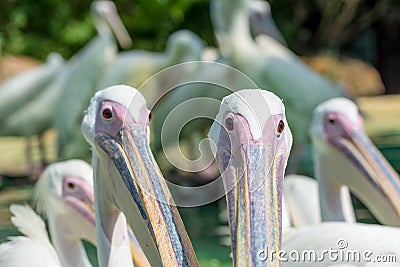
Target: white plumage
[343, 238]
[33, 249]
[64, 195]
[272, 67]
[87, 68]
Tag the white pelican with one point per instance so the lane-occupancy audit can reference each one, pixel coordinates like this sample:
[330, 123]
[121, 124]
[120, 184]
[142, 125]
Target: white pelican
[253, 144]
[134, 67]
[262, 22]
[301, 197]
[87, 68]
[271, 66]
[127, 179]
[252, 150]
[345, 156]
[64, 193]
[27, 100]
[345, 159]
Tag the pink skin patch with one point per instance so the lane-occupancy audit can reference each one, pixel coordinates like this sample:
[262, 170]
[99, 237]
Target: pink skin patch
[113, 116]
[337, 125]
[271, 131]
[241, 138]
[79, 195]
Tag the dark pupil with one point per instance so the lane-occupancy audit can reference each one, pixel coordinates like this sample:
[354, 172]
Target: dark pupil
[229, 124]
[107, 113]
[332, 121]
[281, 126]
[71, 185]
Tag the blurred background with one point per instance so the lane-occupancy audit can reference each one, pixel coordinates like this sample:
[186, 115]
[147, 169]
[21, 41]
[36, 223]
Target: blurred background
[353, 42]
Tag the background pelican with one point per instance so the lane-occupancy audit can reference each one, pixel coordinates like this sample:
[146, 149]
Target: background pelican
[27, 101]
[246, 130]
[301, 197]
[361, 244]
[262, 22]
[134, 67]
[359, 166]
[127, 179]
[64, 194]
[271, 66]
[87, 68]
[344, 155]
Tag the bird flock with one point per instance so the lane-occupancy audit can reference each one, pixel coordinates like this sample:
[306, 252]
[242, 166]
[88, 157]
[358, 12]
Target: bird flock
[122, 203]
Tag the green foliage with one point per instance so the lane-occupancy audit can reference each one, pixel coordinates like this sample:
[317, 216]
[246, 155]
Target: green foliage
[36, 28]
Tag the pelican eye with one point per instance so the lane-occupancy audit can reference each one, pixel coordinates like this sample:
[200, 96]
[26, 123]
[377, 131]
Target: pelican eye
[332, 121]
[71, 185]
[281, 127]
[107, 113]
[229, 124]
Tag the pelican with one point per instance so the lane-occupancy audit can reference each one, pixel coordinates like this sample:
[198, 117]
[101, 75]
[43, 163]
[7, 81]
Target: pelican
[343, 161]
[27, 101]
[64, 194]
[262, 22]
[252, 147]
[135, 67]
[345, 156]
[127, 179]
[301, 197]
[253, 141]
[272, 66]
[87, 68]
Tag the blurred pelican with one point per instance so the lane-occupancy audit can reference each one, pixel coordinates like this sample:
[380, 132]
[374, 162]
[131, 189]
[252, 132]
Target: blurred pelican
[128, 180]
[252, 142]
[345, 156]
[27, 101]
[301, 197]
[261, 21]
[64, 194]
[344, 159]
[87, 68]
[271, 66]
[135, 67]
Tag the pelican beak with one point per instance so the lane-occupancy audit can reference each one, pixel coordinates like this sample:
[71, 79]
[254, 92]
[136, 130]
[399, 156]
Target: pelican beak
[378, 174]
[253, 176]
[149, 207]
[119, 29]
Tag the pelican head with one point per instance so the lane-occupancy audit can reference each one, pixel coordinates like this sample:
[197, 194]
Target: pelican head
[184, 45]
[128, 179]
[105, 17]
[252, 142]
[64, 194]
[261, 20]
[344, 155]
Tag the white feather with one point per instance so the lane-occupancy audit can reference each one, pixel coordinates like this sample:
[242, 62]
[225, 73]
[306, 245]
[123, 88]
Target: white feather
[33, 249]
